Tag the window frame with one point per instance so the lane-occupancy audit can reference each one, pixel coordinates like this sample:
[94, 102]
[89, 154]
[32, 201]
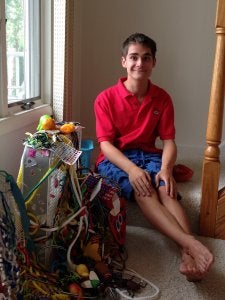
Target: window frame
[3, 59]
[11, 116]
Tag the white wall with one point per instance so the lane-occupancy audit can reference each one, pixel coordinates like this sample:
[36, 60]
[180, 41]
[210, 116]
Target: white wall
[185, 35]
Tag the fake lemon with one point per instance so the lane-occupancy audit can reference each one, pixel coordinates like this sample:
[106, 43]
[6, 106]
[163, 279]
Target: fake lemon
[82, 270]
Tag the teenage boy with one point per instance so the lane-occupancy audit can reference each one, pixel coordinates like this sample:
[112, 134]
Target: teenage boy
[129, 117]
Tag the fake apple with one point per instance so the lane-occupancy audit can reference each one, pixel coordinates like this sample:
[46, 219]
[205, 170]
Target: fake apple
[76, 290]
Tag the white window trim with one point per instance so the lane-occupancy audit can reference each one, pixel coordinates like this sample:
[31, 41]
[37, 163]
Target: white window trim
[3, 78]
[46, 51]
[15, 117]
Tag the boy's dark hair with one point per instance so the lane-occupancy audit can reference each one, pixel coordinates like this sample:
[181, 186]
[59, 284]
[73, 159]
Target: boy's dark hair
[139, 38]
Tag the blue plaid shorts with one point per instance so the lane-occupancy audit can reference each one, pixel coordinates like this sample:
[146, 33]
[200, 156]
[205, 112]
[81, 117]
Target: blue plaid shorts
[151, 162]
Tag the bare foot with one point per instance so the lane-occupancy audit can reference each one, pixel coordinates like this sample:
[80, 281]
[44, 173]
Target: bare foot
[189, 269]
[201, 255]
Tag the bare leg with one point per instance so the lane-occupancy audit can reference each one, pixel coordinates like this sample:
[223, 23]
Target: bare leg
[188, 265]
[170, 219]
[174, 207]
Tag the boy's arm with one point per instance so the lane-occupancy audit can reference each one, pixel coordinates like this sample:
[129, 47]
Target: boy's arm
[139, 179]
[115, 156]
[169, 156]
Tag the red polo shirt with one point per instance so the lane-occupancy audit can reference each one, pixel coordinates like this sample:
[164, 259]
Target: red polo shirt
[129, 124]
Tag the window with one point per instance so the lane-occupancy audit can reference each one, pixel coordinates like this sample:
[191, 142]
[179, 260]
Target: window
[25, 55]
[23, 49]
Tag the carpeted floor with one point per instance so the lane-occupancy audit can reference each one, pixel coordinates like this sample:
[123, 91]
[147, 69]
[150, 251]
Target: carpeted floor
[157, 259]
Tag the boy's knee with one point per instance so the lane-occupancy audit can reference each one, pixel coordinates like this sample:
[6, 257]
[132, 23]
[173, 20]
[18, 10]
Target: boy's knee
[146, 199]
[163, 195]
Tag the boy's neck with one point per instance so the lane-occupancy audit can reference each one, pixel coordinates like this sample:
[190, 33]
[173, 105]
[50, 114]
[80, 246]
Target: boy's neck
[139, 89]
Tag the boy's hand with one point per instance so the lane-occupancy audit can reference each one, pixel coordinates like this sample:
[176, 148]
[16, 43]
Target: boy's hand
[140, 181]
[167, 177]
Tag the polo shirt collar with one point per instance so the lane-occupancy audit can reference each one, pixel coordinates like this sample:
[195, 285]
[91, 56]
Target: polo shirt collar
[122, 90]
[125, 93]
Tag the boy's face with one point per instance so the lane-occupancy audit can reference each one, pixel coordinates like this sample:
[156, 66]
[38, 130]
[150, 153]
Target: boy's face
[138, 62]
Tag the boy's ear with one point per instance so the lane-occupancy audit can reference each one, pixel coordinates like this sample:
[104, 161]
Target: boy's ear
[123, 61]
[154, 62]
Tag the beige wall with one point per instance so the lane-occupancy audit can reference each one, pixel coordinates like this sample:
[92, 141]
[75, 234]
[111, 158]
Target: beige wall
[185, 34]
[184, 31]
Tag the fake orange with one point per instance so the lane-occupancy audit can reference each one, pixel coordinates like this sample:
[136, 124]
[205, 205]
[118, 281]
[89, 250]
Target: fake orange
[48, 124]
[67, 128]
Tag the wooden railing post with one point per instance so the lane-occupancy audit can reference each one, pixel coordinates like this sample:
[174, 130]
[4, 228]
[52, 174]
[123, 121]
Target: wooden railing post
[211, 163]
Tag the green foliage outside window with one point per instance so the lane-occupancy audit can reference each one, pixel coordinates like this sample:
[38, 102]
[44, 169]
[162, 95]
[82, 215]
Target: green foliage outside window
[15, 24]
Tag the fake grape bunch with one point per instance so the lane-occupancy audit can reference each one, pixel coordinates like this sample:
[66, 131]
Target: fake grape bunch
[46, 122]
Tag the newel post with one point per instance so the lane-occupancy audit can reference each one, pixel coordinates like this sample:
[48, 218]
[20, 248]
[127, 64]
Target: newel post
[211, 163]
